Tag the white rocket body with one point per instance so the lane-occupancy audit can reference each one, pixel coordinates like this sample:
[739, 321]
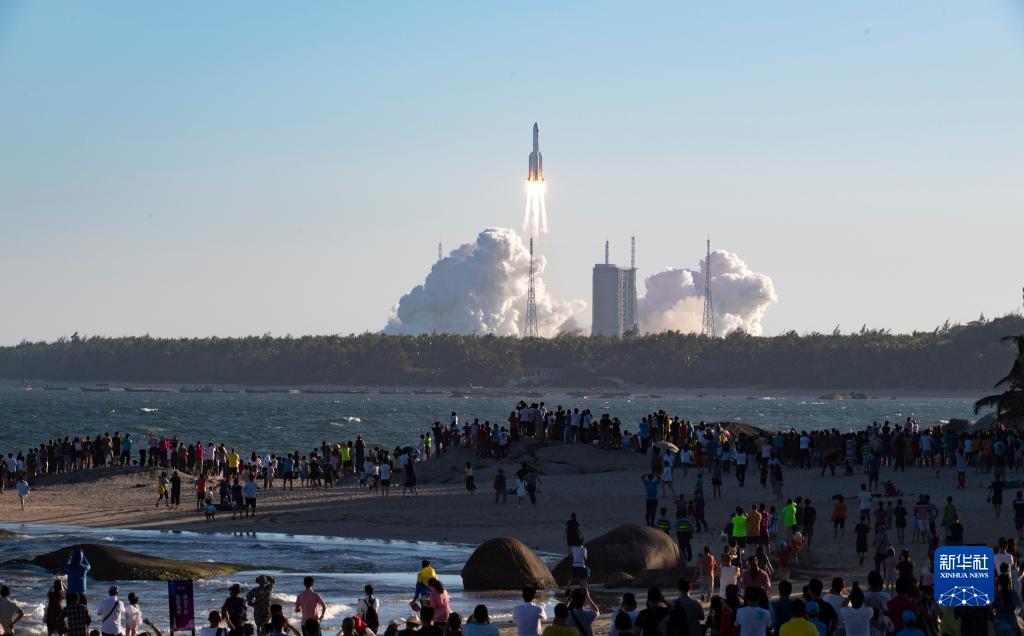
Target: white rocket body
[536, 159]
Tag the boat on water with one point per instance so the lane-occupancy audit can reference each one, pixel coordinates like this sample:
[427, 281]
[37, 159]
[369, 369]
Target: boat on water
[598, 394]
[50, 387]
[429, 392]
[96, 388]
[355, 391]
[392, 392]
[145, 389]
[320, 391]
[495, 393]
[195, 389]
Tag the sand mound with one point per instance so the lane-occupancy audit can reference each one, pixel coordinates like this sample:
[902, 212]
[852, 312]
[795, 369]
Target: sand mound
[505, 564]
[628, 549]
[114, 564]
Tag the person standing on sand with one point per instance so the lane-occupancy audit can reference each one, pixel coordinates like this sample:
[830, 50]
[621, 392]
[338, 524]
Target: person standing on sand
[529, 616]
[839, 518]
[163, 490]
[995, 493]
[175, 489]
[23, 490]
[368, 609]
[410, 478]
[573, 535]
[470, 478]
[111, 613]
[250, 496]
[200, 487]
[708, 568]
[651, 497]
[260, 598]
[133, 618]
[54, 607]
[500, 487]
[10, 612]
[583, 611]
[77, 569]
[560, 626]
[716, 478]
[861, 531]
[312, 607]
[76, 616]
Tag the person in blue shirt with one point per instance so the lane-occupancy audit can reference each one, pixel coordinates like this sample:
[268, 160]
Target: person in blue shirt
[651, 484]
[77, 569]
[126, 450]
[812, 618]
[909, 625]
[645, 435]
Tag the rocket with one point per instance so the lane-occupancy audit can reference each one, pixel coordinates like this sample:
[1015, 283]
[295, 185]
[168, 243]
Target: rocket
[536, 160]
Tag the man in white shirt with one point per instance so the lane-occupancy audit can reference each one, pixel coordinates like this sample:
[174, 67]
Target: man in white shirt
[111, 611]
[529, 617]
[864, 500]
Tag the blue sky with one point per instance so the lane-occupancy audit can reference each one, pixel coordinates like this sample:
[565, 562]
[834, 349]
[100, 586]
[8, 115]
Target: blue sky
[230, 168]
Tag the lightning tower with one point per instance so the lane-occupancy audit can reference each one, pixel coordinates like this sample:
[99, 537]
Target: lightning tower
[707, 326]
[440, 251]
[531, 330]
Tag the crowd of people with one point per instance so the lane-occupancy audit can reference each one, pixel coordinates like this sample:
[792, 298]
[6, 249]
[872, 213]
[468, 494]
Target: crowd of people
[761, 542]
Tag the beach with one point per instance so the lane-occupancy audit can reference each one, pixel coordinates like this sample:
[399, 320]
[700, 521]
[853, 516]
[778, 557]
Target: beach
[602, 486]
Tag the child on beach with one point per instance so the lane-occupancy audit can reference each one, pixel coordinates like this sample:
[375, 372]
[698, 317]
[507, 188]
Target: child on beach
[783, 556]
[22, 491]
[163, 491]
[470, 482]
[427, 572]
[210, 510]
[889, 566]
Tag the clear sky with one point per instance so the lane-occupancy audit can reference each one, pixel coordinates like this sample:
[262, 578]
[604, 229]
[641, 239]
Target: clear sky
[228, 168]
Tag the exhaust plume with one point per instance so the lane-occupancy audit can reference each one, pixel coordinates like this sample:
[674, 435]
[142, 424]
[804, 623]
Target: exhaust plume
[481, 288]
[674, 300]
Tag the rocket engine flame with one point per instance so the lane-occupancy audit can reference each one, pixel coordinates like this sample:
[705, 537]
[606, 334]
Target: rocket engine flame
[535, 219]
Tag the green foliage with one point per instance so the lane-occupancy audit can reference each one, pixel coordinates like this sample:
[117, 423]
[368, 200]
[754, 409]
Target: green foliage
[1009, 404]
[951, 357]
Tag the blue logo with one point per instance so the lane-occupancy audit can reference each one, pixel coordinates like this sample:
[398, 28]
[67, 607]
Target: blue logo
[964, 575]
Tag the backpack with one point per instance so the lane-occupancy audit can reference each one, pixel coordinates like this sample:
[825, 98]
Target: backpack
[372, 619]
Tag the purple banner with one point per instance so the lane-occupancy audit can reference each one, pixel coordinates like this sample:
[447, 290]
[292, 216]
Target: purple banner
[182, 603]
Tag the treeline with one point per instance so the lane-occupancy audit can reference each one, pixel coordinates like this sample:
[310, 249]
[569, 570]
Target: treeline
[967, 356]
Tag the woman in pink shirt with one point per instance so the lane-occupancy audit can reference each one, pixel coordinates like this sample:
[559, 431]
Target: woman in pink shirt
[439, 601]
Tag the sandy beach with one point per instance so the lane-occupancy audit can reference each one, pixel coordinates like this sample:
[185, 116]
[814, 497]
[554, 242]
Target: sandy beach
[602, 487]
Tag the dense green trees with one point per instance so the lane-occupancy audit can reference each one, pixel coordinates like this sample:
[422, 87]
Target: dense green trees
[950, 357]
[1009, 404]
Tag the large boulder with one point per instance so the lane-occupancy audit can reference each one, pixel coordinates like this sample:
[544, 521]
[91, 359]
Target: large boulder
[630, 549]
[114, 564]
[505, 564]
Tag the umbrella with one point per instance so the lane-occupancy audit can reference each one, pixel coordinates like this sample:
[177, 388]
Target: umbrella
[668, 446]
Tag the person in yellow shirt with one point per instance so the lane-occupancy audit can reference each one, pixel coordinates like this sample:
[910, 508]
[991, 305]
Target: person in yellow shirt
[797, 625]
[233, 459]
[422, 578]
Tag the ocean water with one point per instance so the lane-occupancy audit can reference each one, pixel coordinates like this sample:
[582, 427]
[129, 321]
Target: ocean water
[341, 568]
[277, 422]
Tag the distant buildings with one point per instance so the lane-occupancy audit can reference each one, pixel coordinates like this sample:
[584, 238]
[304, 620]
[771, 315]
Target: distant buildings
[614, 298]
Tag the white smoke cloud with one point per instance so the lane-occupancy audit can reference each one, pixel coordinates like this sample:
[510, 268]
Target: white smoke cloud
[675, 298]
[481, 288]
